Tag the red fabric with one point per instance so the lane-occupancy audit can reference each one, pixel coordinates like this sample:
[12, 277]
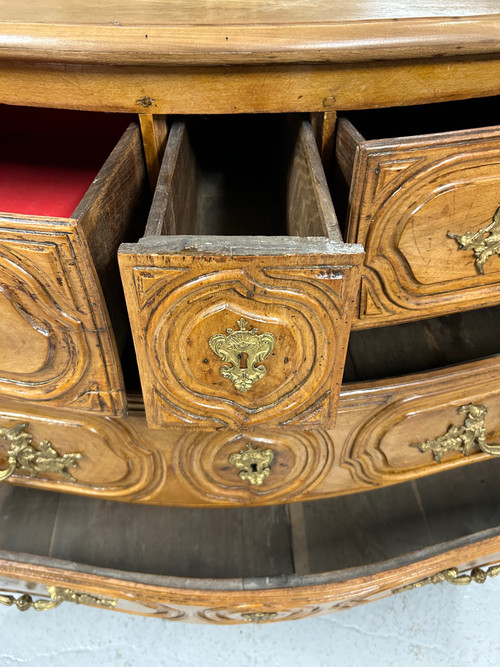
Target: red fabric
[49, 158]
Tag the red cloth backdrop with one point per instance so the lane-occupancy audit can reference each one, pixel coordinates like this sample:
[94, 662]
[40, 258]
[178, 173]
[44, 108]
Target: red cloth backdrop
[49, 158]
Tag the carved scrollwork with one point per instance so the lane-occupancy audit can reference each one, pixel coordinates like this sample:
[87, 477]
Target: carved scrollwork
[24, 456]
[411, 195]
[484, 243]
[205, 461]
[179, 302]
[50, 296]
[250, 614]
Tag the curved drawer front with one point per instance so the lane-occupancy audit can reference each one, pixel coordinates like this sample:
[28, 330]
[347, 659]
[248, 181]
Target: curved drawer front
[71, 452]
[228, 341]
[427, 210]
[386, 433]
[241, 331]
[419, 425]
[261, 468]
[57, 345]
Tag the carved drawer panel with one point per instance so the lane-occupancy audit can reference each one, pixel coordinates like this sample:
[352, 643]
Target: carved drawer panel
[76, 453]
[261, 468]
[57, 345]
[239, 331]
[427, 210]
[418, 425]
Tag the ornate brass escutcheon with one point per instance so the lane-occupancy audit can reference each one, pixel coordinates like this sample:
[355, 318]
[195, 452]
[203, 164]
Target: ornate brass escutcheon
[253, 463]
[57, 596]
[462, 438]
[485, 243]
[451, 575]
[259, 616]
[24, 456]
[243, 349]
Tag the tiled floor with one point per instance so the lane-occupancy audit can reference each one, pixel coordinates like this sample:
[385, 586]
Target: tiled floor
[440, 625]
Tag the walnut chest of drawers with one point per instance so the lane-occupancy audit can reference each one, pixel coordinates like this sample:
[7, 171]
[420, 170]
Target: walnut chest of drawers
[269, 277]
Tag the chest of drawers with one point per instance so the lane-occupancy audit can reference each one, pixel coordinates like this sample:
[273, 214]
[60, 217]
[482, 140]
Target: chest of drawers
[241, 309]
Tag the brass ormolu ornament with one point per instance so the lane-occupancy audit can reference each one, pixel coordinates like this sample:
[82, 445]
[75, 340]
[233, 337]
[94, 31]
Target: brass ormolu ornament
[23, 456]
[485, 242]
[253, 463]
[243, 350]
[463, 438]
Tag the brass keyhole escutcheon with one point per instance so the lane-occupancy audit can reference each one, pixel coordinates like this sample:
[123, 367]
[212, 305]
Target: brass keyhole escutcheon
[244, 351]
[253, 463]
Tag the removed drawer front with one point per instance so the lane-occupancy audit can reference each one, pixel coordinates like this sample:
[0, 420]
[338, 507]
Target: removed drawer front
[240, 331]
[427, 209]
[58, 346]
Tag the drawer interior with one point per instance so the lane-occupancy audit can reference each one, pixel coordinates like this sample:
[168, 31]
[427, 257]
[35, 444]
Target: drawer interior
[72, 188]
[426, 119]
[242, 175]
[242, 233]
[49, 158]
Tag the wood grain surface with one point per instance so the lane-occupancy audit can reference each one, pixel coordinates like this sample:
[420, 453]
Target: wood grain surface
[408, 194]
[369, 447]
[58, 346]
[180, 295]
[197, 32]
[247, 89]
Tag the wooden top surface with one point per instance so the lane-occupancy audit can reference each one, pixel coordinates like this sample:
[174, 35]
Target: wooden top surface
[252, 31]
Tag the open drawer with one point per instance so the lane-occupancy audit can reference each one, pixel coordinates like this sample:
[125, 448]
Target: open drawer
[241, 292]
[424, 201]
[70, 189]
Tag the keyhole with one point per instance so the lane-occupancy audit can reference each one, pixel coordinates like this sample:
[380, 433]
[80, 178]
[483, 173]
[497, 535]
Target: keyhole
[253, 467]
[243, 358]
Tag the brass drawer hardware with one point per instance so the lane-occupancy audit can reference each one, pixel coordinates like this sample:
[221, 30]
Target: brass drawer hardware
[67, 595]
[25, 602]
[239, 348]
[451, 575]
[462, 438]
[259, 616]
[253, 463]
[24, 456]
[58, 596]
[485, 243]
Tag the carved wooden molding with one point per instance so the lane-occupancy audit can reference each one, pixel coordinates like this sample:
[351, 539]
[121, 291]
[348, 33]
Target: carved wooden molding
[50, 296]
[407, 195]
[178, 303]
[114, 461]
[302, 460]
